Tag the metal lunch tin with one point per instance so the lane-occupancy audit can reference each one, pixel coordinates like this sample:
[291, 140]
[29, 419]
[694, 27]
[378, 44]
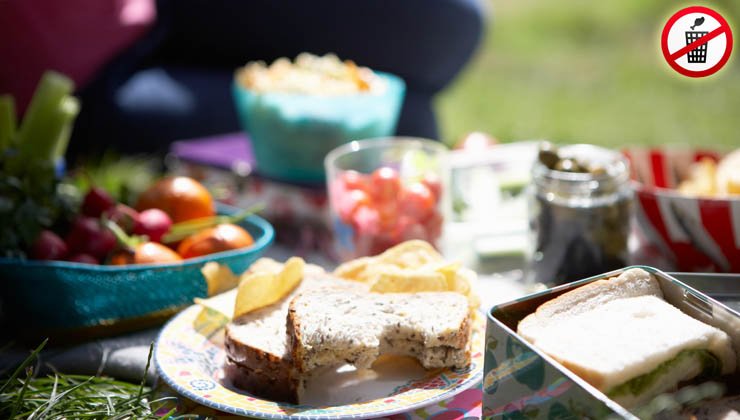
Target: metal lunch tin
[520, 381]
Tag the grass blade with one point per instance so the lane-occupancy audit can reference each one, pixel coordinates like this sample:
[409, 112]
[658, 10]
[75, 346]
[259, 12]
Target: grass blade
[146, 370]
[19, 400]
[33, 356]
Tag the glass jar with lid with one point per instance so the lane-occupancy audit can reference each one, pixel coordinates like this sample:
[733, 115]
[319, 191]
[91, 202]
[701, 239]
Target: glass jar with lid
[580, 212]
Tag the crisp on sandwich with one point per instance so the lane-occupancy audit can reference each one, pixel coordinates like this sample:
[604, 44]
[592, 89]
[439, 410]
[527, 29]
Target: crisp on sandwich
[622, 337]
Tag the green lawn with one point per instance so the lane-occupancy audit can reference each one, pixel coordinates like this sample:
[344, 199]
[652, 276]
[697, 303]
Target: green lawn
[590, 71]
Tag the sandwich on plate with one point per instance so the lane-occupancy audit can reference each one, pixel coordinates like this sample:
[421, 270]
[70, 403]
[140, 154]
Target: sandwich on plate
[314, 320]
[623, 338]
[338, 327]
[258, 357]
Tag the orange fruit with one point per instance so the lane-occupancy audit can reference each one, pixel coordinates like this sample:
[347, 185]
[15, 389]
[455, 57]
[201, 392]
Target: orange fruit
[223, 237]
[121, 257]
[182, 198]
[154, 253]
[145, 253]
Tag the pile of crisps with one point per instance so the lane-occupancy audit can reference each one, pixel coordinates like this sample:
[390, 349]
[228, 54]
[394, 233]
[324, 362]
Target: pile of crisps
[309, 74]
[412, 266]
[710, 179]
[266, 282]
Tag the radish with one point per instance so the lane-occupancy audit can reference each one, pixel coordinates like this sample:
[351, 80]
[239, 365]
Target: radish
[153, 223]
[89, 237]
[122, 215]
[83, 258]
[48, 246]
[96, 201]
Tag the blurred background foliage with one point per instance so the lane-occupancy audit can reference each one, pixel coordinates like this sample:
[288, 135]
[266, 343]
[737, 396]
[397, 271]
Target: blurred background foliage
[586, 71]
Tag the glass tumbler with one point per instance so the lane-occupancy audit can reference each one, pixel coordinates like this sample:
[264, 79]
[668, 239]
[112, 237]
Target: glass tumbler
[385, 191]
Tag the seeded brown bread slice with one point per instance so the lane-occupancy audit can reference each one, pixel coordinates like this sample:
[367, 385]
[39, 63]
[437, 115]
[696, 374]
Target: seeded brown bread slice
[258, 358]
[337, 327]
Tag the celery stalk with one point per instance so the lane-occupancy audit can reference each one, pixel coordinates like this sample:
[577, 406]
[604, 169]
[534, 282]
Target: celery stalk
[7, 122]
[45, 118]
[70, 108]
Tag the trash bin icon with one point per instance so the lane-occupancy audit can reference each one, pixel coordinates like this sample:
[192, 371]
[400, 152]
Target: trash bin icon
[698, 54]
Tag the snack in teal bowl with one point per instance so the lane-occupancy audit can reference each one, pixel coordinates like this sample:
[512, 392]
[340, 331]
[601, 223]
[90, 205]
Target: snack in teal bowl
[296, 119]
[53, 297]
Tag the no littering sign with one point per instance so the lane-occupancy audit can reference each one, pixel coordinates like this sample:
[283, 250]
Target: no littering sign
[696, 41]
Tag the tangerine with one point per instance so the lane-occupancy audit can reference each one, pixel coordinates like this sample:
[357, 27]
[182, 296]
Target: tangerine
[181, 197]
[223, 237]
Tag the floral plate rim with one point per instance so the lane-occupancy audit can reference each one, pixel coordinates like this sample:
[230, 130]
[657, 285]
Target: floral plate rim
[472, 376]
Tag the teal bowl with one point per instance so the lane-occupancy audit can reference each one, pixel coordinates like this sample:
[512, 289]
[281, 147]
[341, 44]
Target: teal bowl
[48, 297]
[292, 133]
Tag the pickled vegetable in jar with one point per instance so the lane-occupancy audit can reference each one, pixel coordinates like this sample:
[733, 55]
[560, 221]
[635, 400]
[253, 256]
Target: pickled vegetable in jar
[580, 212]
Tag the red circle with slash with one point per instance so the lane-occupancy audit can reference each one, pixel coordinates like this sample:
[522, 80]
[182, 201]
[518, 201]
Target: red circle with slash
[672, 57]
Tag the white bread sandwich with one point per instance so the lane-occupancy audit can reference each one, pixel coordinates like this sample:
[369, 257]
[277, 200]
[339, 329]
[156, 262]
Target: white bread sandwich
[258, 357]
[338, 327]
[620, 336]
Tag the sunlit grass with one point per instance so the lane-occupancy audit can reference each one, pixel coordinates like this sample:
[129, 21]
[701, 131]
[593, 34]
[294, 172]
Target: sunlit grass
[584, 71]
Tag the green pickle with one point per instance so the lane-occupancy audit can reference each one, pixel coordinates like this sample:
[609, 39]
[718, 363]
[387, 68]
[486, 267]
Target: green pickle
[580, 214]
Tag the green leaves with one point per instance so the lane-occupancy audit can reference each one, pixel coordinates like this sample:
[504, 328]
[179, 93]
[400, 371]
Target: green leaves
[29, 201]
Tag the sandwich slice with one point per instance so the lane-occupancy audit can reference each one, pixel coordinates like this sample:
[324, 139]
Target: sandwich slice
[620, 336]
[258, 358]
[338, 327]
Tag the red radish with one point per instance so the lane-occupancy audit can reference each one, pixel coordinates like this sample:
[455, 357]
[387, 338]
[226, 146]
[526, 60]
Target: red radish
[48, 246]
[123, 215]
[354, 180]
[366, 220]
[82, 229]
[413, 231]
[385, 184]
[417, 201]
[96, 201]
[102, 244]
[351, 201]
[153, 223]
[83, 258]
[388, 212]
[88, 236]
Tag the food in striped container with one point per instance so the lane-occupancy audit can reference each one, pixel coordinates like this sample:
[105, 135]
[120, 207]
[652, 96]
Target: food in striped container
[689, 206]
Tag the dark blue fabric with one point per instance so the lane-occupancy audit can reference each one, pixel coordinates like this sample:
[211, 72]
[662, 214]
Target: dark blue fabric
[175, 83]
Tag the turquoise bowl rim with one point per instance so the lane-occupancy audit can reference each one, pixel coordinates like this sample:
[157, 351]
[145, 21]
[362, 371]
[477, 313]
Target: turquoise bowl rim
[260, 243]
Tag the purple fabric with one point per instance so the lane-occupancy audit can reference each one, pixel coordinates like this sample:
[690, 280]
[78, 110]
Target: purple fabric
[223, 151]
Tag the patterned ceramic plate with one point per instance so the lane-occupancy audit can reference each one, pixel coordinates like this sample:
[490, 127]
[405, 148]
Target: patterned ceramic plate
[191, 364]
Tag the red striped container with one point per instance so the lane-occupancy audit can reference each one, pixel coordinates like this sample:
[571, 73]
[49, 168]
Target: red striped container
[695, 233]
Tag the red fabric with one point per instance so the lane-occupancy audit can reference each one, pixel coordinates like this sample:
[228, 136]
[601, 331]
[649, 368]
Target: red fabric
[74, 37]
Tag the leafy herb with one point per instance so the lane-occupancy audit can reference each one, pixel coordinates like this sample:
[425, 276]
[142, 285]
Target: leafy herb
[29, 197]
[124, 177]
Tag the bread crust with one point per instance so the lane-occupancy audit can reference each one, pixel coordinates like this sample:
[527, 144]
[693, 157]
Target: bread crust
[279, 385]
[631, 283]
[295, 343]
[260, 372]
